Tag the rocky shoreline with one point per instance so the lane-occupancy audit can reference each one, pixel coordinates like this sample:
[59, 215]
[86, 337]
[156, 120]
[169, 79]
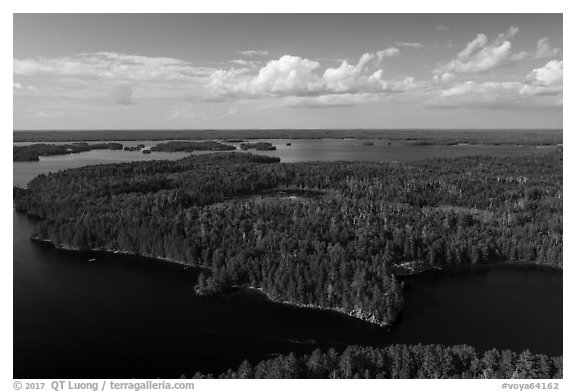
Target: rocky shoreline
[356, 313]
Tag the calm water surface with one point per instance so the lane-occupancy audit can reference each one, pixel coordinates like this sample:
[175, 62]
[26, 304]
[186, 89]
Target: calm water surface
[124, 316]
[298, 151]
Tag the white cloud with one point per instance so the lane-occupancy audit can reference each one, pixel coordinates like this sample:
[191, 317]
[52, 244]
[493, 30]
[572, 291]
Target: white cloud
[443, 78]
[333, 100]
[415, 45]
[481, 55]
[390, 52]
[109, 65]
[252, 52]
[244, 63]
[22, 87]
[547, 80]
[345, 78]
[289, 75]
[543, 50]
[300, 77]
[542, 88]
[442, 28]
[549, 75]
[108, 77]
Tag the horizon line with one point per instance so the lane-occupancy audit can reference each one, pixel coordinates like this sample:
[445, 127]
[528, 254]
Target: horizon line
[283, 129]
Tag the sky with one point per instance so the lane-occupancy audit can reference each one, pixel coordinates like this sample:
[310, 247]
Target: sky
[238, 71]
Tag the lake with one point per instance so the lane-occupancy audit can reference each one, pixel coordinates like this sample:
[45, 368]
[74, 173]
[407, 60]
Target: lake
[125, 316]
[300, 150]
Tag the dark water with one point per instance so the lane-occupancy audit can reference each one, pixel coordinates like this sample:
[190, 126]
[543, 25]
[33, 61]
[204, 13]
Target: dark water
[124, 316]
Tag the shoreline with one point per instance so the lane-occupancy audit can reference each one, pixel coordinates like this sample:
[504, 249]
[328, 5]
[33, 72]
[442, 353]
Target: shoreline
[417, 142]
[67, 248]
[449, 267]
[317, 307]
[356, 313]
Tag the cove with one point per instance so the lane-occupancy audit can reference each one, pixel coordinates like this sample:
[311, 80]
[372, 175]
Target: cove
[122, 316]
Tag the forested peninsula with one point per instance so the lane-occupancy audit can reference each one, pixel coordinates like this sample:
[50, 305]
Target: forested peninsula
[332, 235]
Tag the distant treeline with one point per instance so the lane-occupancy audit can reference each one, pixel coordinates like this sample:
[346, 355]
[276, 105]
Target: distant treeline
[402, 362]
[233, 214]
[433, 136]
[33, 152]
[259, 146]
[192, 146]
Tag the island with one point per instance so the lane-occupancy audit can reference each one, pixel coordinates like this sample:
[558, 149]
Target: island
[188, 146]
[33, 152]
[259, 146]
[329, 235]
[134, 148]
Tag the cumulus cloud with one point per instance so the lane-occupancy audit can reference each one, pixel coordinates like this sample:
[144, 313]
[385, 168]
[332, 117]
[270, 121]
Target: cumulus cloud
[547, 80]
[300, 77]
[390, 52]
[482, 55]
[252, 52]
[288, 75]
[549, 75]
[543, 50]
[542, 87]
[444, 78]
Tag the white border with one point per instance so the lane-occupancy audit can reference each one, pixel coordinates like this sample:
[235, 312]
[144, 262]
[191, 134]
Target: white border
[295, 6]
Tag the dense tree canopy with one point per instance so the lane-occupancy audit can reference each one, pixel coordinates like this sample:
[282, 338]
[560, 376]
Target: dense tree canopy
[188, 146]
[259, 146]
[402, 361]
[331, 235]
[32, 152]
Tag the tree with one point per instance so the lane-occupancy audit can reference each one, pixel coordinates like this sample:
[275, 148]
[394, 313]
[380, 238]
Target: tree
[245, 370]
